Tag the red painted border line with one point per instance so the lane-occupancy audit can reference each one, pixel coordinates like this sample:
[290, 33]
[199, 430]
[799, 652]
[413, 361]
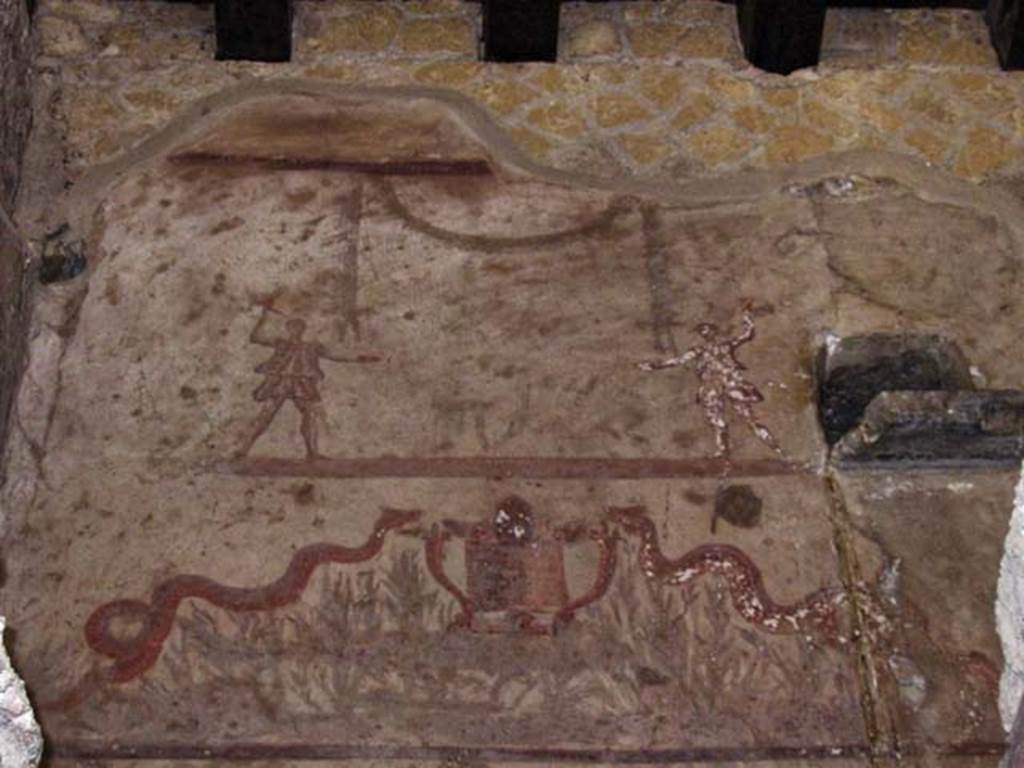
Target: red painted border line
[306, 752]
[509, 467]
[100, 750]
[381, 168]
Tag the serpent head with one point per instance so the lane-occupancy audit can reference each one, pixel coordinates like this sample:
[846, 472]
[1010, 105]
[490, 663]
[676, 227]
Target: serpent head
[633, 520]
[396, 518]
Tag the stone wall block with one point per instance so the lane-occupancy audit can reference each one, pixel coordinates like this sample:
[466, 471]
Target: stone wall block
[21, 743]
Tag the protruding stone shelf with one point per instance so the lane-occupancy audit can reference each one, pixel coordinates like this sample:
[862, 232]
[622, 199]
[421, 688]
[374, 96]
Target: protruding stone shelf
[940, 429]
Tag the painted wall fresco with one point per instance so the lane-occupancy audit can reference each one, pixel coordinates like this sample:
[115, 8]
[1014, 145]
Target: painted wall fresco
[356, 447]
[518, 656]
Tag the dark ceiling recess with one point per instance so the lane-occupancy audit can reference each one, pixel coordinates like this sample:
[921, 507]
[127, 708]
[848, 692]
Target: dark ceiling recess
[785, 35]
[254, 30]
[777, 35]
[1006, 25]
[781, 35]
[520, 30]
[974, 5]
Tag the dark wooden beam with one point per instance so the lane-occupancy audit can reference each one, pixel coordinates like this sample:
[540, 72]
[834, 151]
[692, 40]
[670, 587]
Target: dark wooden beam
[254, 30]
[1006, 27]
[781, 35]
[520, 30]
[975, 5]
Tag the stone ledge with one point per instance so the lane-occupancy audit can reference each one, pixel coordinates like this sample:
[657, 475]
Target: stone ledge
[938, 429]
[854, 370]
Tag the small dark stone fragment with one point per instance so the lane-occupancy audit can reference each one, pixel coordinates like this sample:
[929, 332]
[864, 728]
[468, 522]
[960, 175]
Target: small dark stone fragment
[738, 505]
[62, 259]
[61, 268]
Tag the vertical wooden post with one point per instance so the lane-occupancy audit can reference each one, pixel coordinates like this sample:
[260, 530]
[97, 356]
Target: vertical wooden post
[781, 35]
[254, 30]
[1006, 27]
[520, 30]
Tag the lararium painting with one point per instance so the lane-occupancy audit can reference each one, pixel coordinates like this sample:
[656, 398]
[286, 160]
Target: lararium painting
[363, 438]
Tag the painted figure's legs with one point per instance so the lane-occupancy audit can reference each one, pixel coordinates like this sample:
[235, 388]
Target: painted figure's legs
[312, 416]
[711, 401]
[746, 412]
[259, 425]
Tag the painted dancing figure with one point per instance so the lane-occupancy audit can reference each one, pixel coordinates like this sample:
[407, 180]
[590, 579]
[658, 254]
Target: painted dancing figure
[292, 373]
[723, 381]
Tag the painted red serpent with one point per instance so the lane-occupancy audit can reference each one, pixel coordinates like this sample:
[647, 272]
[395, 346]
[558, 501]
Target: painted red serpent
[133, 656]
[816, 614]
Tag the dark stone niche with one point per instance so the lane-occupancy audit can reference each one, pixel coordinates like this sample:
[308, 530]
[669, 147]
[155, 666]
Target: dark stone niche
[901, 399]
[858, 368]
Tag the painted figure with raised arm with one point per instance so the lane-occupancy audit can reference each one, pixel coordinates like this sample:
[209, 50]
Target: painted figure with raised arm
[292, 373]
[723, 381]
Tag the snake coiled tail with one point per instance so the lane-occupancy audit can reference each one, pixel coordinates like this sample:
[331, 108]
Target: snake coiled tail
[750, 598]
[816, 614]
[134, 655]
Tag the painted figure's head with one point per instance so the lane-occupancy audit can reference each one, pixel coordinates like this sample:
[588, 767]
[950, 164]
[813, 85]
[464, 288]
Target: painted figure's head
[707, 331]
[296, 328]
[396, 518]
[513, 521]
[633, 520]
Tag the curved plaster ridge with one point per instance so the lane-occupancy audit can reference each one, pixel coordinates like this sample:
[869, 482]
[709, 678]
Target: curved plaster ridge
[201, 117]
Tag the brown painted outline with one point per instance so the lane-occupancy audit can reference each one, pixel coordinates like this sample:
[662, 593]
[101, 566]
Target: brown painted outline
[659, 282]
[607, 541]
[383, 168]
[601, 223]
[435, 556]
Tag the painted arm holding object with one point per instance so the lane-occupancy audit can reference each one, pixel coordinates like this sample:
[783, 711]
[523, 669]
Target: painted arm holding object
[671, 362]
[339, 356]
[260, 334]
[747, 332]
